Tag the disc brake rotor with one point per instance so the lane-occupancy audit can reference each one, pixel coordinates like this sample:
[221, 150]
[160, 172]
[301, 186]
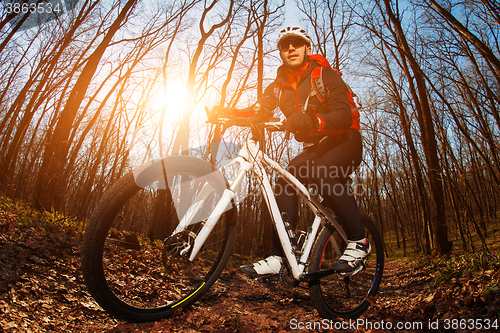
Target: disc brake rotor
[177, 249]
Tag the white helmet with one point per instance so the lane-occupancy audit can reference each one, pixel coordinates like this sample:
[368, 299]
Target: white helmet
[294, 31]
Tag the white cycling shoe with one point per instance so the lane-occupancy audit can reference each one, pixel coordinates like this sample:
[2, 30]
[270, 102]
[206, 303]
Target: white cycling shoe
[353, 257]
[269, 266]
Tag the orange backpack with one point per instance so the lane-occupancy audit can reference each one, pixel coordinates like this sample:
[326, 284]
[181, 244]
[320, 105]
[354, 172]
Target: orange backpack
[318, 88]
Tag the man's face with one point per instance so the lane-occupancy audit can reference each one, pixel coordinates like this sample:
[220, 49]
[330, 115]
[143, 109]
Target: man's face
[293, 51]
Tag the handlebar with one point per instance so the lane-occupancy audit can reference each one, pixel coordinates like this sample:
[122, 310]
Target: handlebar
[256, 125]
[272, 125]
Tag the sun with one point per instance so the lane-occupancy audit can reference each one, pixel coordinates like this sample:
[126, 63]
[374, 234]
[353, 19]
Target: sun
[176, 97]
[171, 99]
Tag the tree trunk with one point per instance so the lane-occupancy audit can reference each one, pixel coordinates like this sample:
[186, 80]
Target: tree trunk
[50, 186]
[441, 244]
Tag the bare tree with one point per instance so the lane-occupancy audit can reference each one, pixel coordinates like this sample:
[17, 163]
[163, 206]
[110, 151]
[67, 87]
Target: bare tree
[481, 46]
[182, 138]
[49, 184]
[332, 23]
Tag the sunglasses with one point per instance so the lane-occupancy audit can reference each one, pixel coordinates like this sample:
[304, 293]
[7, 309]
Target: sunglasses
[296, 43]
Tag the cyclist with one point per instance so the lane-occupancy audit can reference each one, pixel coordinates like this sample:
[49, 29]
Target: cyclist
[332, 145]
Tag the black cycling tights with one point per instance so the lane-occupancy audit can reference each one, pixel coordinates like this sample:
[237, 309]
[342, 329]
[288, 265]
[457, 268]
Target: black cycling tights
[326, 167]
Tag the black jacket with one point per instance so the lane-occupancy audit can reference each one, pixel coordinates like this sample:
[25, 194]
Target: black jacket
[335, 113]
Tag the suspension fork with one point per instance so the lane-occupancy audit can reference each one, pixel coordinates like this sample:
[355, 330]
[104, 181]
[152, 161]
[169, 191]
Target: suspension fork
[221, 207]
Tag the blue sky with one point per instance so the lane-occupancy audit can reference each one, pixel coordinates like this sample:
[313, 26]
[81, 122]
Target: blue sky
[292, 14]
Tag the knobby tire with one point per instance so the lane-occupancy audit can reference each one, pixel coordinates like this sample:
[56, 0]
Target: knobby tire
[128, 267]
[340, 295]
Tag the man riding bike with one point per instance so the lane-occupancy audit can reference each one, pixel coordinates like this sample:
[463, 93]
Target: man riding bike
[328, 126]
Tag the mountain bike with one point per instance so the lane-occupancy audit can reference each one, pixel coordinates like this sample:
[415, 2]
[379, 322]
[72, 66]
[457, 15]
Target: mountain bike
[161, 235]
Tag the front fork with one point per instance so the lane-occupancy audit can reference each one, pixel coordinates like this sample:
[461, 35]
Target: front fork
[224, 204]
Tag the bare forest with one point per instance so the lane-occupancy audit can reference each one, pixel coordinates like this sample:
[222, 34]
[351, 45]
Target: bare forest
[107, 85]
[90, 95]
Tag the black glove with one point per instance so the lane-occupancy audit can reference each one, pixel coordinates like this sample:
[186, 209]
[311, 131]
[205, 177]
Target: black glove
[263, 115]
[219, 111]
[299, 122]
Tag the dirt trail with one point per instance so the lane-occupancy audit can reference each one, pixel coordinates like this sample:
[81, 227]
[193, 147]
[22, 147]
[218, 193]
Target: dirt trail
[42, 290]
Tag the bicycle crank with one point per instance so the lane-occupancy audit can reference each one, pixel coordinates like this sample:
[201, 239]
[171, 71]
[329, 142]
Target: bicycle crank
[315, 276]
[286, 278]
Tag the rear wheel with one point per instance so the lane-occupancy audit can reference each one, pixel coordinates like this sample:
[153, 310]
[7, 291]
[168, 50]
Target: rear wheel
[134, 264]
[343, 295]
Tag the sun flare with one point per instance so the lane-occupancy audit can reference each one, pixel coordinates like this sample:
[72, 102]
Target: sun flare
[171, 99]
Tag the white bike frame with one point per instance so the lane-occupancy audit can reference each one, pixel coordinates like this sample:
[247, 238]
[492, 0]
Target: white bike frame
[251, 158]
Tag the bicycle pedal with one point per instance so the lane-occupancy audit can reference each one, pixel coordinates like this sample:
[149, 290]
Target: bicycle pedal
[268, 278]
[356, 271]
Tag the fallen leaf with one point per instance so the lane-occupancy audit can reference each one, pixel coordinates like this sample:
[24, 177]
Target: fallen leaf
[371, 299]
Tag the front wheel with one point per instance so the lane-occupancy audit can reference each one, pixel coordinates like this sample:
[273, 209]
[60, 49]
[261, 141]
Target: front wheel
[342, 295]
[135, 256]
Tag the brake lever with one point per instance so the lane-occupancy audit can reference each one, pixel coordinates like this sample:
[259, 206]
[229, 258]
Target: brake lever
[274, 127]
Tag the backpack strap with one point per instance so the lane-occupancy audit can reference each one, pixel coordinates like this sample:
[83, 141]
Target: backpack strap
[317, 86]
